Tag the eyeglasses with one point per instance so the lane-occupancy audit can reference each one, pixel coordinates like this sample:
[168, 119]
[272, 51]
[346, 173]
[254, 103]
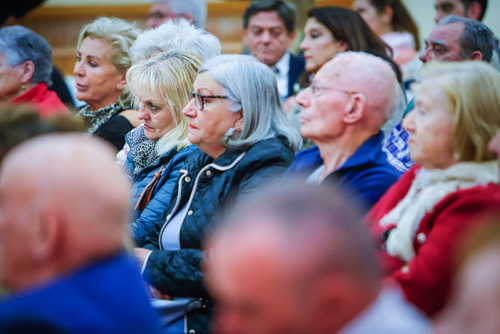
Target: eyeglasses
[316, 88]
[200, 99]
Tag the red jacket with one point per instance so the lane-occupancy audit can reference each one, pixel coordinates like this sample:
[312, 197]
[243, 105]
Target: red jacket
[426, 278]
[44, 100]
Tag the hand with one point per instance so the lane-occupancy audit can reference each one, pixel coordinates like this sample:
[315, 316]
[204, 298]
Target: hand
[155, 293]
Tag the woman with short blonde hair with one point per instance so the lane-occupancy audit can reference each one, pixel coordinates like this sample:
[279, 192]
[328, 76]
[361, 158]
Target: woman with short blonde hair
[423, 218]
[160, 85]
[102, 62]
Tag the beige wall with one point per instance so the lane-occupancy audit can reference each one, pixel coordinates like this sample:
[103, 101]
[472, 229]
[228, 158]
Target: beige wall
[423, 12]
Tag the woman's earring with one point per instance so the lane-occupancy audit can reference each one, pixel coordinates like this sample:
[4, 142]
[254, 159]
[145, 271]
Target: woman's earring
[23, 87]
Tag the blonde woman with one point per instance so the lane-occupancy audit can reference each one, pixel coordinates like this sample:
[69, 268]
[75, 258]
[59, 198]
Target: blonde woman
[158, 149]
[102, 62]
[423, 218]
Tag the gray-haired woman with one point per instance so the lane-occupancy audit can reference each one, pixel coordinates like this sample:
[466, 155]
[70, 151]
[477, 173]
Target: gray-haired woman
[244, 141]
[25, 68]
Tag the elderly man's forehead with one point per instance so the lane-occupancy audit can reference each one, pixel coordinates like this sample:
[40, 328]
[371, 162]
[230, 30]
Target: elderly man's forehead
[448, 32]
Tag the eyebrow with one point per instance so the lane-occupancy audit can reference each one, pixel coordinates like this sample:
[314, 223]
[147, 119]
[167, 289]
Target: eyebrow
[88, 56]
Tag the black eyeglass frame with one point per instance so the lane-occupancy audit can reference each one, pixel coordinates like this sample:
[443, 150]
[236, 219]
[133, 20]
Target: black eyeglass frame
[199, 99]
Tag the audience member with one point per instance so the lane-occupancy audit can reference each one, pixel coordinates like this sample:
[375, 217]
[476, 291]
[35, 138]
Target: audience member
[25, 69]
[162, 11]
[62, 251]
[268, 32]
[474, 304]
[454, 39]
[296, 259]
[244, 141]
[20, 123]
[158, 149]
[390, 20]
[330, 30]
[472, 9]
[422, 218]
[351, 97]
[175, 35]
[102, 62]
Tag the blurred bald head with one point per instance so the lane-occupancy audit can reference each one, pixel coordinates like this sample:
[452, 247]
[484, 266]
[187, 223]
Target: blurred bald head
[293, 259]
[63, 204]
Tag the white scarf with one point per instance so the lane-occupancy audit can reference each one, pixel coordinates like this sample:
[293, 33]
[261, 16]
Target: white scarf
[427, 189]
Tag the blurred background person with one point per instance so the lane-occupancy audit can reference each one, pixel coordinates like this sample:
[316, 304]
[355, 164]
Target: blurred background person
[421, 220]
[269, 32]
[195, 11]
[63, 258]
[474, 304]
[328, 31]
[14, 10]
[102, 62]
[390, 20]
[244, 141]
[345, 107]
[25, 68]
[296, 259]
[158, 149]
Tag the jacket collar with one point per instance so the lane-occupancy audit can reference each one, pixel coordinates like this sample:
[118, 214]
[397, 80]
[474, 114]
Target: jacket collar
[366, 153]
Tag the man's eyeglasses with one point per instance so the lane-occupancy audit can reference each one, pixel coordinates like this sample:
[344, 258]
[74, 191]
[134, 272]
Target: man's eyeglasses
[316, 88]
[200, 99]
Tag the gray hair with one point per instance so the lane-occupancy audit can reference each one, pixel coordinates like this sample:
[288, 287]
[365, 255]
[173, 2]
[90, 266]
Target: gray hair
[175, 35]
[196, 8]
[252, 88]
[19, 44]
[120, 35]
[475, 37]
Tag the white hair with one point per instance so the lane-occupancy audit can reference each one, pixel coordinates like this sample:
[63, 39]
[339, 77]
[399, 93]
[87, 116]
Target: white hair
[175, 35]
[196, 8]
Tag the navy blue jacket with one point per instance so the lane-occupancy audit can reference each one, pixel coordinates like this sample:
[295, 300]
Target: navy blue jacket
[142, 222]
[104, 297]
[367, 172]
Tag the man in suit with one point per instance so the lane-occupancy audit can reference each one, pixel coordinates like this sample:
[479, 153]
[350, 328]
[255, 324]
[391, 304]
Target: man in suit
[268, 32]
[63, 232]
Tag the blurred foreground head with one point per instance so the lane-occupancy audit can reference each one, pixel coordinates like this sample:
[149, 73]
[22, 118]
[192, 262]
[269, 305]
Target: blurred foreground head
[63, 205]
[475, 303]
[295, 258]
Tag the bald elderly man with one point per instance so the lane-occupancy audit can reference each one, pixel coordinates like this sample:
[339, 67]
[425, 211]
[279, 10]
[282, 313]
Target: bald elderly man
[296, 259]
[348, 102]
[63, 264]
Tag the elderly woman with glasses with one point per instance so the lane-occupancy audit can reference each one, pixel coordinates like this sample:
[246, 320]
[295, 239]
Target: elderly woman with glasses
[244, 141]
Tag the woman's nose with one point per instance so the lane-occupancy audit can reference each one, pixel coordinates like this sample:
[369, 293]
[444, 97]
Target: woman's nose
[190, 110]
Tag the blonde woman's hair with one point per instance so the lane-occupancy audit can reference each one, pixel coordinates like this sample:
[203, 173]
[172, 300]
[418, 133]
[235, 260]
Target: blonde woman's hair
[473, 92]
[168, 76]
[120, 35]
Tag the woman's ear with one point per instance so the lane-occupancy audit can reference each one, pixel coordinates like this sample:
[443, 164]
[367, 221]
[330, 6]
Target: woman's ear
[27, 71]
[123, 82]
[238, 125]
[387, 15]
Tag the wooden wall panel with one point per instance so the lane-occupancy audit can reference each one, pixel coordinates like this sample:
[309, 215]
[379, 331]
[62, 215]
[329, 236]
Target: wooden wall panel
[60, 25]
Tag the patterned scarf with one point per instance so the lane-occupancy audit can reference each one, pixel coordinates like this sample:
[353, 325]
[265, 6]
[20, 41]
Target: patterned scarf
[99, 117]
[143, 150]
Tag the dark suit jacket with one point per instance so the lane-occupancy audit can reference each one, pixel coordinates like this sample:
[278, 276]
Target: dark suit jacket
[297, 64]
